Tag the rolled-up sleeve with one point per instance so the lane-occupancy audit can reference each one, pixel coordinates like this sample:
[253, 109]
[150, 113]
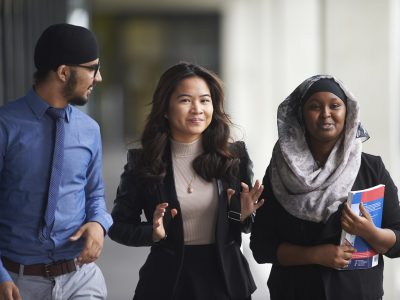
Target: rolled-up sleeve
[96, 210]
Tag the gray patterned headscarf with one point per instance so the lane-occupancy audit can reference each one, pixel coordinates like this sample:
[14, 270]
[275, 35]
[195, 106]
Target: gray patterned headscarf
[304, 189]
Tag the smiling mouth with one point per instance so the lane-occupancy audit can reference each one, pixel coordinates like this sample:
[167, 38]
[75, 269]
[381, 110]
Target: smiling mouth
[327, 126]
[196, 120]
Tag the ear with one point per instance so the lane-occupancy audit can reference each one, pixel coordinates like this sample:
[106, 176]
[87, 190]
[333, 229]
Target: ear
[63, 73]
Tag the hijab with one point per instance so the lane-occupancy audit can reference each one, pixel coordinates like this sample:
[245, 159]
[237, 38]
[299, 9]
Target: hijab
[305, 189]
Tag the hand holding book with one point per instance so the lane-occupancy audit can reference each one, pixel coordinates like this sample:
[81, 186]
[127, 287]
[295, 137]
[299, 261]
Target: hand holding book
[333, 256]
[360, 225]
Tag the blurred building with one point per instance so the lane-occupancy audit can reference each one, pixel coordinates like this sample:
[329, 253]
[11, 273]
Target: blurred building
[261, 48]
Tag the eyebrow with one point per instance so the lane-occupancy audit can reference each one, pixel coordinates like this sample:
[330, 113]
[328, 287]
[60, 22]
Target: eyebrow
[317, 98]
[188, 95]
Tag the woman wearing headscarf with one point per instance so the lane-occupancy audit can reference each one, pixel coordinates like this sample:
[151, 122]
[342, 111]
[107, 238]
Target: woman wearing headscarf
[317, 160]
[184, 180]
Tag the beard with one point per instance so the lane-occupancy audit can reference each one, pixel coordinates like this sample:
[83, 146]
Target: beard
[69, 91]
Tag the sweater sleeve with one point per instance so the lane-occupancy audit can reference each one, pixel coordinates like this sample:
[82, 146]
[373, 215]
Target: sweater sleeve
[391, 208]
[264, 240]
[128, 229]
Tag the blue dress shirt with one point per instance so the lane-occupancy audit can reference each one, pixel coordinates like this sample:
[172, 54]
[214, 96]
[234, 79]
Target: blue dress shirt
[26, 147]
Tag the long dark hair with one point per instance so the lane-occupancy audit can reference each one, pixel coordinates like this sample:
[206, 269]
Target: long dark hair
[217, 160]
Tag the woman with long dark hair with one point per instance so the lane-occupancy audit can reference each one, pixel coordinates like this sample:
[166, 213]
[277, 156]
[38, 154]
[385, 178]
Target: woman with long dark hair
[192, 183]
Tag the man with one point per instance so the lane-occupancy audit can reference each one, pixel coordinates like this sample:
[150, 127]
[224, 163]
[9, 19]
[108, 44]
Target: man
[53, 216]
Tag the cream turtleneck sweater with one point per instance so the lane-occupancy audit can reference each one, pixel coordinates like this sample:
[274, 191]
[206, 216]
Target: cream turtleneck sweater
[199, 208]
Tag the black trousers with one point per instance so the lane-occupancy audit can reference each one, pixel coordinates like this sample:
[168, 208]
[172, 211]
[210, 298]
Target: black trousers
[201, 277]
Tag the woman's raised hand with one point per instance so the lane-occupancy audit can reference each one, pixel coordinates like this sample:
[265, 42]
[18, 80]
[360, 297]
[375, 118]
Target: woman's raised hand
[249, 200]
[158, 225]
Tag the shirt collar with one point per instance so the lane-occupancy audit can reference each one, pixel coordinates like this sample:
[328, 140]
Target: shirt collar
[39, 106]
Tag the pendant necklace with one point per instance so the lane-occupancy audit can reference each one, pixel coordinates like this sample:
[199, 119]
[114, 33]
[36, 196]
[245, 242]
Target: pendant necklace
[189, 188]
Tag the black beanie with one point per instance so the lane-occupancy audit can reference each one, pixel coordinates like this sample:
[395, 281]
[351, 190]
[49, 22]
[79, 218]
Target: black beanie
[325, 85]
[63, 44]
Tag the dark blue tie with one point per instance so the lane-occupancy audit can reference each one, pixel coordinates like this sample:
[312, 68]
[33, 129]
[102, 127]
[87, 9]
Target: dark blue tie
[56, 170]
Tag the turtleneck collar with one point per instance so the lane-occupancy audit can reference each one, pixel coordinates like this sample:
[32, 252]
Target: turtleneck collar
[186, 149]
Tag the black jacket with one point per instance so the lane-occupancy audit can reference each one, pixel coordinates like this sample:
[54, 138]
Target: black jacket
[273, 226]
[158, 277]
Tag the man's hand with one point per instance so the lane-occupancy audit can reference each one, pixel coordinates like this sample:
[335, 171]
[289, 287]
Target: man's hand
[93, 233]
[9, 291]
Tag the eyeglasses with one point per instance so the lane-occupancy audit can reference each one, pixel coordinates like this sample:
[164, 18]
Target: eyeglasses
[95, 68]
